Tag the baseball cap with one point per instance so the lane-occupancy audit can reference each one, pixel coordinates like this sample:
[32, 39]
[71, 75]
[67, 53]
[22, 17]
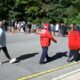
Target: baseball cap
[46, 25]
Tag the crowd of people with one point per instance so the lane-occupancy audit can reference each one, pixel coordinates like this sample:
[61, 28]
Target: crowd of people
[28, 27]
[19, 26]
[46, 36]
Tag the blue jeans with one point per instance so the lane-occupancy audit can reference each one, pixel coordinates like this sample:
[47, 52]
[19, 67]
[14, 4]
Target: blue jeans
[44, 54]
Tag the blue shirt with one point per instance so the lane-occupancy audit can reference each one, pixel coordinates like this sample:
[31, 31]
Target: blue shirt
[2, 38]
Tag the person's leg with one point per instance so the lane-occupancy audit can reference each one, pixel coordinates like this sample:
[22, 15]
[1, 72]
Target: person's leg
[71, 53]
[47, 57]
[7, 55]
[0, 62]
[75, 58]
[46, 52]
[43, 55]
[0, 49]
[6, 52]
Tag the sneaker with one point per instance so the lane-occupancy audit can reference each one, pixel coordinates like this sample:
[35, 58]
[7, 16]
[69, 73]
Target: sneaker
[70, 59]
[12, 60]
[74, 61]
[0, 63]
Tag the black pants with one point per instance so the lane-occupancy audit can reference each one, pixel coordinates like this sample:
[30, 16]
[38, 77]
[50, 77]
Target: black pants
[5, 52]
[44, 54]
[74, 54]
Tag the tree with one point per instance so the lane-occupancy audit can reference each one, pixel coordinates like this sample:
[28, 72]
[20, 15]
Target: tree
[5, 7]
[40, 10]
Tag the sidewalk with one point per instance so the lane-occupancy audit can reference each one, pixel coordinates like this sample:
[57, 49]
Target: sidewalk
[74, 75]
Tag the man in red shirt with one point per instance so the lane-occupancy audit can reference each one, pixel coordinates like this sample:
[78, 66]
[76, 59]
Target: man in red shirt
[73, 43]
[45, 40]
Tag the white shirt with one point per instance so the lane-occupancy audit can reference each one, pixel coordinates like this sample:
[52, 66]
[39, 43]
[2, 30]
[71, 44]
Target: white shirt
[57, 27]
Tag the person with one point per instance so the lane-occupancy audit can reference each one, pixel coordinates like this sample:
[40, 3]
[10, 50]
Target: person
[56, 28]
[52, 29]
[63, 29]
[73, 43]
[3, 43]
[45, 39]
[29, 26]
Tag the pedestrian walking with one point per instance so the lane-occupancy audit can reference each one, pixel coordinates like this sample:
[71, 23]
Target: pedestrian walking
[3, 43]
[63, 29]
[45, 40]
[73, 43]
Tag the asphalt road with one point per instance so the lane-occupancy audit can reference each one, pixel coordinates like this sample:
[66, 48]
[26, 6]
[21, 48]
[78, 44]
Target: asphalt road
[26, 48]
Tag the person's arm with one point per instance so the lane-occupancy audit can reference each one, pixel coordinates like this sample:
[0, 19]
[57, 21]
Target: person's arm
[1, 31]
[51, 37]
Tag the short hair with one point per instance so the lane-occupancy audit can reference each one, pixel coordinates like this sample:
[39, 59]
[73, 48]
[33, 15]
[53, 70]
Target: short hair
[73, 26]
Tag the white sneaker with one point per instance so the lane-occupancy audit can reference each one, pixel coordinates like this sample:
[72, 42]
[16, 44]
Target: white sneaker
[74, 61]
[0, 63]
[12, 60]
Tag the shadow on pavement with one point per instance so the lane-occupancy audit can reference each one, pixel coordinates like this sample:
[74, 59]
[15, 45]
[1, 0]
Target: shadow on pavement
[5, 61]
[57, 56]
[26, 56]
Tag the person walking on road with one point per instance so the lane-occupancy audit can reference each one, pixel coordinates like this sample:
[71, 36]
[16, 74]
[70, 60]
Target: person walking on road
[73, 43]
[45, 39]
[3, 43]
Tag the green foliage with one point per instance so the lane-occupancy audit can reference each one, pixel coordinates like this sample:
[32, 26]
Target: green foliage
[38, 11]
[37, 20]
[45, 19]
[33, 10]
[71, 12]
